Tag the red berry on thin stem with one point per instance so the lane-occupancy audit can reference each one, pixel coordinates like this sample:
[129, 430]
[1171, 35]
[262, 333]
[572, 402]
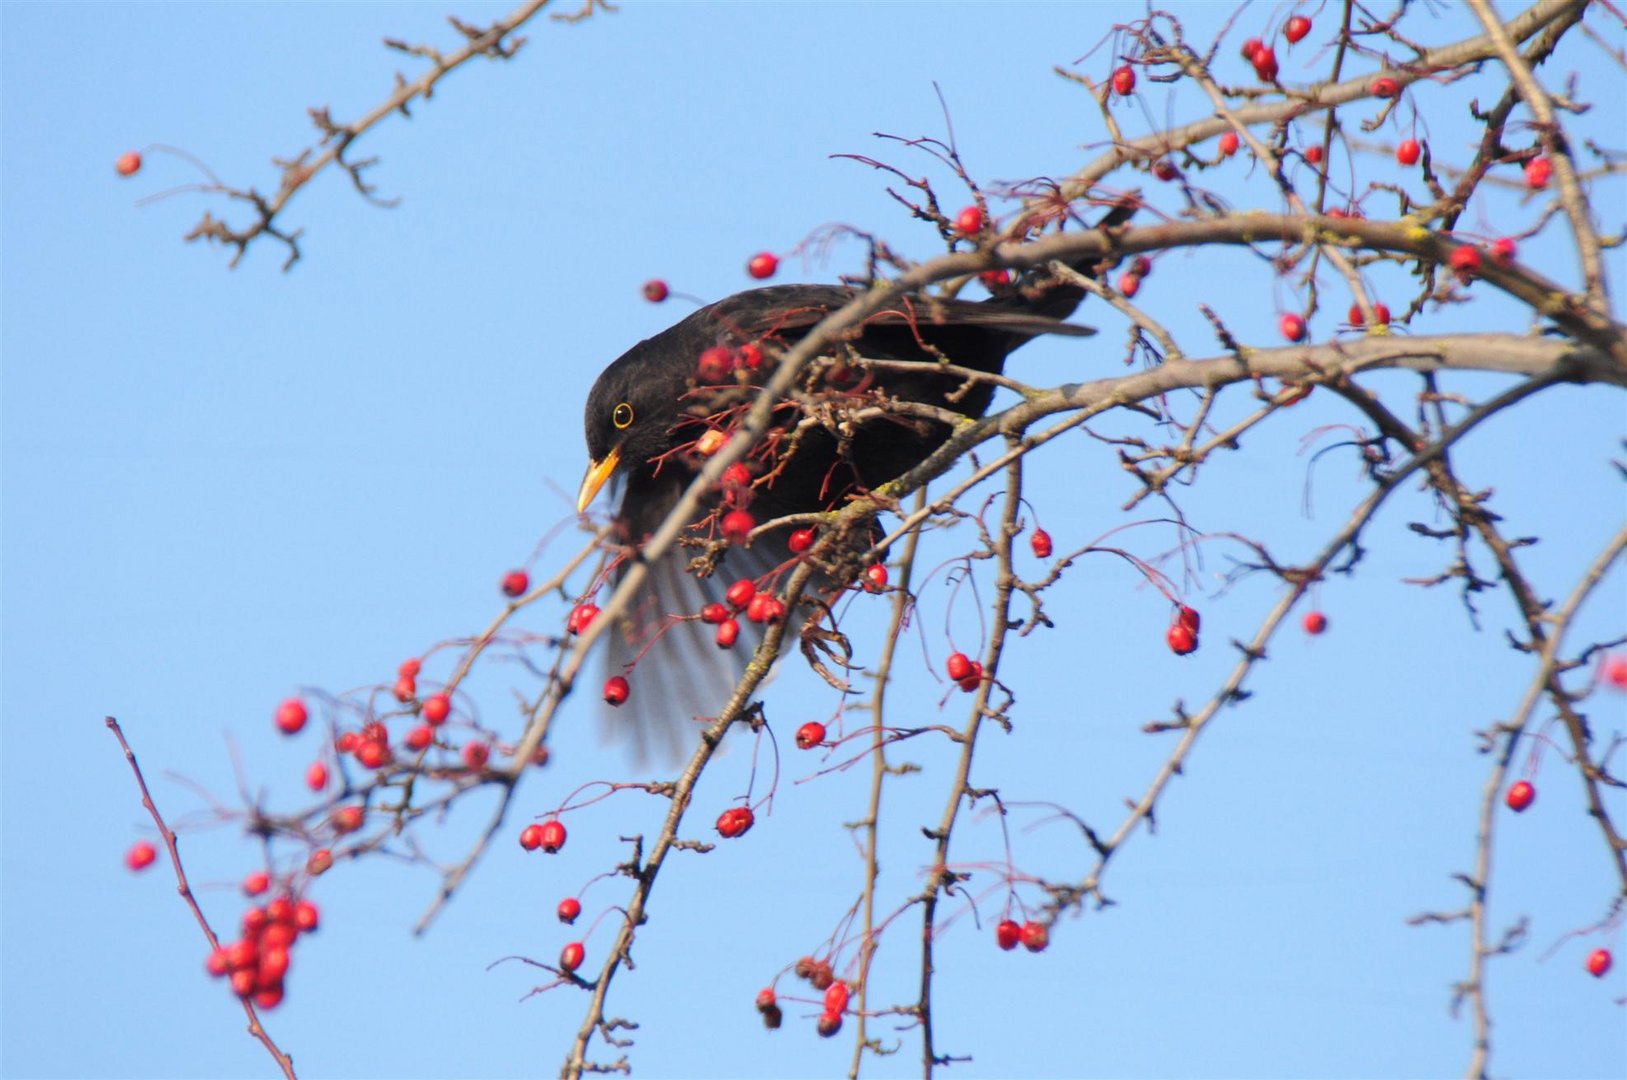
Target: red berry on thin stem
[1189, 618]
[728, 632]
[291, 716]
[1315, 622]
[740, 593]
[1598, 963]
[1292, 327]
[553, 835]
[420, 738]
[1229, 143]
[1181, 640]
[810, 735]
[875, 577]
[316, 777]
[1250, 47]
[1384, 87]
[616, 690]
[1035, 936]
[1521, 794]
[1502, 252]
[436, 708]
[1129, 284]
[1165, 170]
[829, 1024]
[569, 908]
[141, 855]
[571, 956]
[1041, 543]
[959, 665]
[531, 837]
[737, 525]
[515, 582]
[128, 164]
[655, 290]
[734, 822]
[1265, 63]
[320, 862]
[836, 997]
[1537, 172]
[800, 541]
[1006, 934]
[1313, 154]
[1466, 262]
[475, 755]
[1615, 672]
[1296, 29]
[969, 222]
[1407, 153]
[762, 265]
[973, 679]
[256, 883]
[1124, 81]
[580, 618]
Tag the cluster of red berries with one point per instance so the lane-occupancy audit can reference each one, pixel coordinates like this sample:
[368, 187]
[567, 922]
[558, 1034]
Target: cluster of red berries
[548, 835]
[717, 364]
[1130, 281]
[257, 964]
[1263, 57]
[819, 974]
[1381, 315]
[964, 671]
[735, 821]
[1031, 935]
[1182, 636]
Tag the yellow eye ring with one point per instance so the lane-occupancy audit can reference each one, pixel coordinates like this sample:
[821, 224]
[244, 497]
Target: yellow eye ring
[622, 416]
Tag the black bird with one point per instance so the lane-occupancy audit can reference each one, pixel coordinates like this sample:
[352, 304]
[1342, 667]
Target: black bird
[653, 411]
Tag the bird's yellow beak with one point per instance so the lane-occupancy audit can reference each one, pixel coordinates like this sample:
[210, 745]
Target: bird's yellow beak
[598, 473]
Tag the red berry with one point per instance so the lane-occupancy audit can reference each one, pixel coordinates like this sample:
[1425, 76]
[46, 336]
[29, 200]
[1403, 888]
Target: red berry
[714, 364]
[571, 956]
[316, 777]
[994, 279]
[437, 707]
[958, 666]
[1181, 640]
[475, 755]
[1598, 963]
[255, 921]
[515, 582]
[766, 999]
[1381, 315]
[616, 690]
[1537, 172]
[1292, 327]
[740, 593]
[279, 935]
[1502, 252]
[714, 613]
[973, 679]
[291, 716]
[1041, 543]
[810, 735]
[655, 290]
[1250, 47]
[736, 478]
[268, 997]
[346, 742]
[1129, 284]
[765, 608]
[410, 668]
[273, 965]
[244, 981]
[728, 632]
[405, 690]
[347, 819]
[1313, 154]
[829, 1024]
[1615, 672]
[1521, 794]
[1465, 262]
[1407, 153]
[420, 738]
[531, 837]
[1141, 266]
[1189, 618]
[762, 265]
[320, 862]
[836, 997]
[735, 821]
[1124, 81]
[751, 355]
[128, 164]
[141, 855]
[1384, 87]
[1265, 63]
[969, 222]
[875, 577]
[256, 883]
[1228, 143]
[1006, 934]
[580, 618]
[216, 964]
[800, 541]
[1315, 622]
[1297, 28]
[1035, 936]
[373, 754]
[1165, 170]
[306, 917]
[737, 525]
[569, 908]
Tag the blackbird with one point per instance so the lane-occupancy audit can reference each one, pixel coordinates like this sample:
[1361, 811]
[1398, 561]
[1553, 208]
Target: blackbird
[660, 408]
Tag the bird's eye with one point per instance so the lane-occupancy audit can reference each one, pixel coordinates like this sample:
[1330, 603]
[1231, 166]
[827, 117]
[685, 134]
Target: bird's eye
[622, 416]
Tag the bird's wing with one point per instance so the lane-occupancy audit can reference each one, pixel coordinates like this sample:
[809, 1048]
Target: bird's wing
[789, 310]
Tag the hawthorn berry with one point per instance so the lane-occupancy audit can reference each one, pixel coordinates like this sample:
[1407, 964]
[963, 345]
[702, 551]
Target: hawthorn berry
[1407, 153]
[1292, 327]
[268, 997]
[347, 819]
[1006, 934]
[829, 1024]
[1315, 623]
[1615, 671]
[346, 742]
[1165, 170]
[1228, 143]
[569, 908]
[141, 855]
[1384, 87]
[973, 679]
[810, 735]
[800, 541]
[737, 525]
[256, 883]
[1265, 63]
[1041, 543]
[273, 965]
[291, 716]
[994, 279]
[405, 690]
[1141, 266]
[969, 222]
[571, 957]
[735, 821]
[1502, 251]
[553, 835]
[1250, 47]
[306, 917]
[420, 738]
[1313, 154]
[616, 690]
[765, 608]
[316, 777]
[128, 164]
[475, 755]
[436, 708]
[373, 754]
[821, 976]
[958, 666]
[1035, 936]
[320, 862]
[1381, 314]
[714, 613]
[763, 265]
[1521, 794]
[728, 632]
[1124, 81]
[714, 365]
[243, 981]
[836, 997]
[1129, 284]
[531, 837]
[1189, 618]
[216, 964]
[1354, 316]
[1466, 262]
[1537, 173]
[581, 617]
[735, 479]
[1181, 640]
[1296, 29]
[515, 582]
[255, 921]
[740, 593]
[875, 577]
[750, 355]
[1598, 963]
[655, 290]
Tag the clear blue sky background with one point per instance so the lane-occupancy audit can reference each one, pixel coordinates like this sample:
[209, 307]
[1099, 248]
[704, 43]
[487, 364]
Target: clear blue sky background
[221, 487]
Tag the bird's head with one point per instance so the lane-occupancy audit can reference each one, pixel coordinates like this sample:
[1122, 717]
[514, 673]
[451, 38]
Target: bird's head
[631, 413]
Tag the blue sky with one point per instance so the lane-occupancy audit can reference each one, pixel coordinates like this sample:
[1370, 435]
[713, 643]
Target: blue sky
[222, 487]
